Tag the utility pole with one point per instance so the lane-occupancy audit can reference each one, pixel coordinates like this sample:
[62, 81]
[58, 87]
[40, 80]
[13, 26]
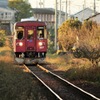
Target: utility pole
[69, 8]
[0, 24]
[60, 14]
[66, 11]
[55, 24]
[84, 6]
[43, 3]
[94, 7]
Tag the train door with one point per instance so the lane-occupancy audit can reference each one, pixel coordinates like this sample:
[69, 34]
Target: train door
[30, 42]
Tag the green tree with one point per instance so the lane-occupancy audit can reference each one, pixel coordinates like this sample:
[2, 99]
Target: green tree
[51, 40]
[23, 9]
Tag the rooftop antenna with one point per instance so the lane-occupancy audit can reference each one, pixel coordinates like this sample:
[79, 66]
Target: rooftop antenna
[41, 3]
[36, 4]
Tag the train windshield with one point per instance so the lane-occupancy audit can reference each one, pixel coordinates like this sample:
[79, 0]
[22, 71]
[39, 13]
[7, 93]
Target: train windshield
[19, 33]
[41, 32]
[30, 34]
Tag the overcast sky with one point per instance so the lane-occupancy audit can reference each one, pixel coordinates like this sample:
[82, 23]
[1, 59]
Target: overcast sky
[73, 6]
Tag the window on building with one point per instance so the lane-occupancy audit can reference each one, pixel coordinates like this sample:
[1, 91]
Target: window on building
[6, 15]
[9, 15]
[2, 15]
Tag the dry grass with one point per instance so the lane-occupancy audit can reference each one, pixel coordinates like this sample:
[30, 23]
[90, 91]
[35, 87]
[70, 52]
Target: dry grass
[15, 83]
[59, 63]
[75, 68]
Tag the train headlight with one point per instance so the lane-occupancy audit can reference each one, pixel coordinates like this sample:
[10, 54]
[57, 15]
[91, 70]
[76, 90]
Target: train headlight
[20, 44]
[40, 43]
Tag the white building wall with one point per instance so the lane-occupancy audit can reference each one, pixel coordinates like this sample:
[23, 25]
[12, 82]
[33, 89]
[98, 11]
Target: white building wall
[84, 14]
[96, 18]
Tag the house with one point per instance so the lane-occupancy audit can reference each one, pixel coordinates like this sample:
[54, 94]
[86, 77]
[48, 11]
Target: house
[84, 14]
[95, 18]
[3, 3]
[7, 16]
[47, 15]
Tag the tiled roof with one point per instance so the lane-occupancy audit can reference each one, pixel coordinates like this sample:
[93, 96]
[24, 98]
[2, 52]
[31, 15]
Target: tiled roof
[84, 10]
[44, 11]
[93, 16]
[7, 9]
[3, 3]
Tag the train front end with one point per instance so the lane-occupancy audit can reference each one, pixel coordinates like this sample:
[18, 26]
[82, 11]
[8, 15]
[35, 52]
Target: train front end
[30, 42]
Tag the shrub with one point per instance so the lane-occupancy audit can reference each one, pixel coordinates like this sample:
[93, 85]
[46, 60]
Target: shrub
[2, 38]
[89, 44]
[67, 33]
[51, 41]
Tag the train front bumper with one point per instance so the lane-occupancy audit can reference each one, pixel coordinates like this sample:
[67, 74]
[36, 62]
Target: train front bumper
[29, 60]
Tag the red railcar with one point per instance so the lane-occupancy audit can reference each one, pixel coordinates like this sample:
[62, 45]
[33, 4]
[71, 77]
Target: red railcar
[30, 41]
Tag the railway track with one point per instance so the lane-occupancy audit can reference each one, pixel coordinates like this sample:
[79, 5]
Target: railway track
[59, 87]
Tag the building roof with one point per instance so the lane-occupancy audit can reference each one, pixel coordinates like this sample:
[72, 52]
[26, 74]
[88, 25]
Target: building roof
[84, 14]
[3, 3]
[4, 6]
[83, 11]
[7, 9]
[45, 11]
[93, 16]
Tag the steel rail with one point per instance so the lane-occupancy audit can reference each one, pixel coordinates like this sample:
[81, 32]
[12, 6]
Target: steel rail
[91, 96]
[54, 93]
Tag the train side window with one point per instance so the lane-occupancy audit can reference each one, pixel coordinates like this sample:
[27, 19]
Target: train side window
[19, 32]
[40, 34]
[20, 35]
[45, 33]
[30, 34]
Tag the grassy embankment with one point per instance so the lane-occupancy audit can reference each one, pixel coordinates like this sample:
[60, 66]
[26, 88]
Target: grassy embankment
[75, 68]
[15, 82]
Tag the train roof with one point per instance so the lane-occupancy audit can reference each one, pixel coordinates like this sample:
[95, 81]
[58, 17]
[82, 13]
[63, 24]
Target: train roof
[30, 19]
[30, 23]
